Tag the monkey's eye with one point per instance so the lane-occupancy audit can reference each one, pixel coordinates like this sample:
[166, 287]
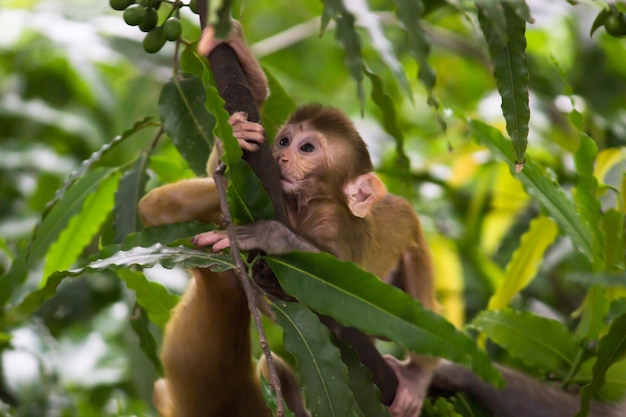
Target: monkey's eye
[307, 147]
[284, 141]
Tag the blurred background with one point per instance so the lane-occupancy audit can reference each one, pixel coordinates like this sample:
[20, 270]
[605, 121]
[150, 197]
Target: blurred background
[73, 75]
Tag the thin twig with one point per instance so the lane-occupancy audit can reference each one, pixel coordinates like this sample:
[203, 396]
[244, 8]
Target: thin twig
[244, 280]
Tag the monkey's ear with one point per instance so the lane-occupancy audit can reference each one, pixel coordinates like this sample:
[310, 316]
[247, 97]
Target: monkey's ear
[363, 192]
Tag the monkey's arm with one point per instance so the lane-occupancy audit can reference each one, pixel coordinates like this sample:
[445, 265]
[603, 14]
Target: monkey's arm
[267, 235]
[523, 396]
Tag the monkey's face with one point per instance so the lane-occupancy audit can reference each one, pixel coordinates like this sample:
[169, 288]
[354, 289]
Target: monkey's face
[302, 155]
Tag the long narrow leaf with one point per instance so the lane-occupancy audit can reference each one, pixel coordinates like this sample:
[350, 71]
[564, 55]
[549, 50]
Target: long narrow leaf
[508, 57]
[525, 261]
[410, 12]
[130, 190]
[611, 349]
[248, 200]
[141, 326]
[153, 297]
[540, 186]
[146, 257]
[359, 299]
[587, 204]
[324, 378]
[371, 22]
[82, 228]
[540, 342]
[186, 120]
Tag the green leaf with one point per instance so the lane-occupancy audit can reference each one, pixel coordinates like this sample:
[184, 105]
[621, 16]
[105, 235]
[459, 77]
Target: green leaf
[595, 308]
[186, 121]
[146, 257]
[508, 57]
[410, 14]
[538, 341]
[323, 377]
[95, 157]
[371, 22]
[141, 326]
[602, 279]
[366, 393]
[540, 186]
[247, 198]
[599, 20]
[349, 38]
[167, 234]
[614, 389]
[525, 261]
[277, 108]
[129, 192]
[58, 216]
[612, 225]
[390, 125]
[270, 398]
[611, 349]
[82, 227]
[359, 299]
[587, 205]
[440, 408]
[153, 297]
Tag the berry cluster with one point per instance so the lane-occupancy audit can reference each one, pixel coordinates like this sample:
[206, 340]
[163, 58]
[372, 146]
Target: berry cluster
[143, 13]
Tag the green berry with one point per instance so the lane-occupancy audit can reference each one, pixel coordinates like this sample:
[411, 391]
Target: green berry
[120, 4]
[149, 21]
[615, 24]
[134, 14]
[147, 3]
[172, 29]
[154, 40]
[193, 5]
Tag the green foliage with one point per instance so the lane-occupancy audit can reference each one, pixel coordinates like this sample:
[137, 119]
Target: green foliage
[541, 343]
[359, 299]
[324, 378]
[64, 97]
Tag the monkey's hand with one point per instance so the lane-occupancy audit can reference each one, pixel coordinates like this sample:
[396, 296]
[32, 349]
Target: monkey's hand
[248, 134]
[411, 389]
[251, 67]
[269, 236]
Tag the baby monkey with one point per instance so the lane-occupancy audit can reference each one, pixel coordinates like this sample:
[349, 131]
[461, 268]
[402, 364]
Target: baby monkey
[335, 203]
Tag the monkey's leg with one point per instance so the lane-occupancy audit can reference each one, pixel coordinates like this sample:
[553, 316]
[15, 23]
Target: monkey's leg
[206, 352]
[206, 347]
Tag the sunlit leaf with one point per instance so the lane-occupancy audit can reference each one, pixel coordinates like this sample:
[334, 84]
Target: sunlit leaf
[525, 261]
[154, 298]
[359, 299]
[186, 121]
[542, 187]
[323, 377]
[540, 342]
[81, 228]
